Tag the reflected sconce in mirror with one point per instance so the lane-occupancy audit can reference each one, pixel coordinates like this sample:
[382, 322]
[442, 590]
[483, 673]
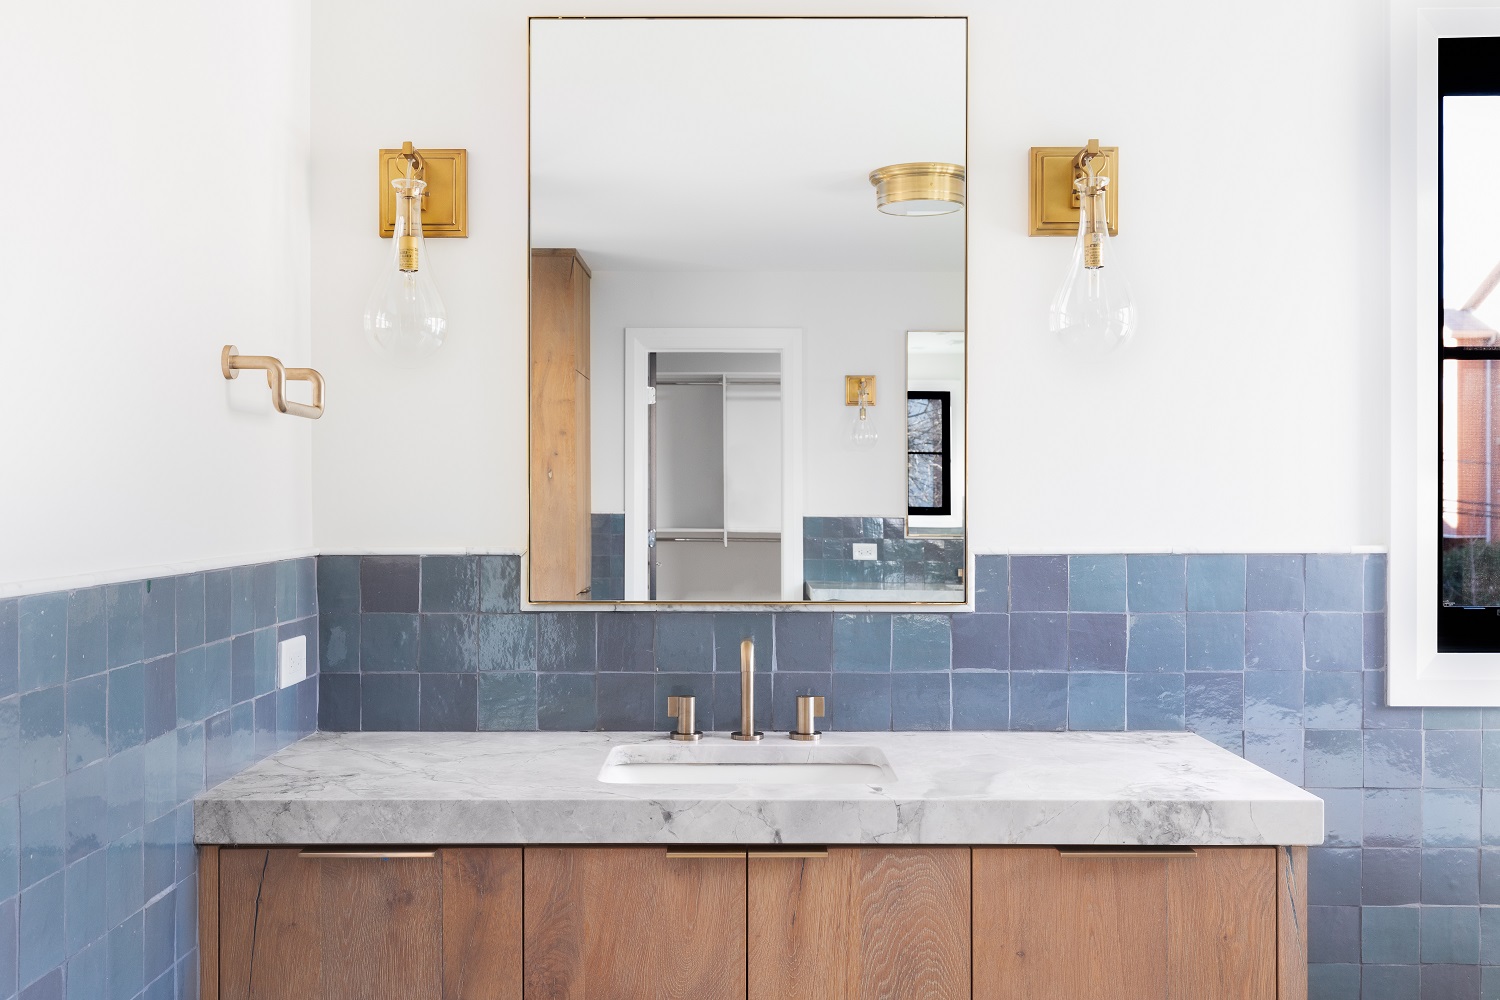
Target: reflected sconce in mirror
[405, 318]
[859, 390]
[919, 189]
[232, 362]
[1076, 191]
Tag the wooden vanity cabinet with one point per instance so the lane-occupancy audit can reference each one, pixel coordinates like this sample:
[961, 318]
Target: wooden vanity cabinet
[284, 924]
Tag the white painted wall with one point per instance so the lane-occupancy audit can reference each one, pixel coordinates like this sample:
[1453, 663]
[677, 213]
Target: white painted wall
[851, 323]
[157, 208]
[1249, 414]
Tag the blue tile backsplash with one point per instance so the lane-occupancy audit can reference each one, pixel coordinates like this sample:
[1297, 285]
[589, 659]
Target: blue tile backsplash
[117, 705]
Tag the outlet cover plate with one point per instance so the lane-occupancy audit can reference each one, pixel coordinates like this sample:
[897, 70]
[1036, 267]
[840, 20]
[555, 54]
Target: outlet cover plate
[291, 661]
[865, 550]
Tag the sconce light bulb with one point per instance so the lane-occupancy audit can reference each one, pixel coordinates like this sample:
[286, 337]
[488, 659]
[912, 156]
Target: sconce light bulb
[404, 317]
[1093, 309]
[864, 432]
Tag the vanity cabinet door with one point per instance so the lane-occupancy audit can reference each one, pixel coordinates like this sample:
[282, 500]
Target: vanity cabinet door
[294, 925]
[1050, 925]
[632, 923]
[860, 924]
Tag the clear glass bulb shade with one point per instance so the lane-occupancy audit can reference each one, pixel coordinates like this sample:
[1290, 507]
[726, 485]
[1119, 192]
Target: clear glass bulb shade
[1094, 309]
[404, 316]
[863, 428]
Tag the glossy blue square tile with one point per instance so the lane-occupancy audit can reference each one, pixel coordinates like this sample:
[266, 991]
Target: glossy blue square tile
[159, 767]
[1333, 934]
[1378, 715]
[981, 701]
[450, 583]
[1096, 583]
[786, 687]
[1343, 816]
[1155, 701]
[1215, 641]
[1393, 759]
[1328, 981]
[218, 737]
[1489, 875]
[338, 703]
[42, 627]
[1273, 700]
[158, 618]
[1274, 583]
[11, 779]
[507, 701]
[389, 583]
[627, 702]
[1096, 701]
[1157, 583]
[1273, 641]
[307, 587]
[1451, 817]
[1450, 982]
[981, 642]
[1038, 583]
[726, 704]
[86, 708]
[160, 938]
[219, 595]
[127, 707]
[565, 643]
[1374, 641]
[1390, 876]
[88, 973]
[449, 644]
[566, 702]
[124, 878]
[242, 667]
[921, 642]
[190, 761]
[266, 640]
[1096, 641]
[1335, 582]
[193, 685]
[1039, 641]
[731, 628]
[159, 847]
[1450, 935]
[804, 642]
[122, 614]
[10, 847]
[862, 642]
[86, 811]
[1157, 644]
[8, 957]
[507, 642]
[87, 632]
[1452, 759]
[1489, 937]
[1390, 982]
[41, 933]
[1450, 876]
[285, 594]
[83, 887]
[1390, 935]
[1216, 583]
[1452, 718]
[43, 831]
[1333, 758]
[1335, 641]
[190, 611]
[338, 583]
[41, 755]
[388, 702]
[1038, 701]
[241, 599]
[1333, 876]
[1278, 751]
[499, 584]
[10, 647]
[1213, 702]
[991, 584]
[1375, 581]
[684, 643]
[388, 643]
[450, 703]
[860, 702]
[126, 958]
[1490, 818]
[1333, 700]
[921, 701]
[265, 591]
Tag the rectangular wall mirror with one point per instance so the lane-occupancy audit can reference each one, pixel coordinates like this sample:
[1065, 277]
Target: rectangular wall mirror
[747, 357]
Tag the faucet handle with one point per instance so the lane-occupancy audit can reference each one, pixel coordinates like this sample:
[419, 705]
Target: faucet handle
[684, 708]
[809, 707]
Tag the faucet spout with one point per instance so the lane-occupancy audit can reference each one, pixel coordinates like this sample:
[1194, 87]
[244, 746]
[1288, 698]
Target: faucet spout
[747, 693]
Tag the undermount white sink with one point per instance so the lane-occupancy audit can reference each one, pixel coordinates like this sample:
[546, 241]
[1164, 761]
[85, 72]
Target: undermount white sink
[748, 764]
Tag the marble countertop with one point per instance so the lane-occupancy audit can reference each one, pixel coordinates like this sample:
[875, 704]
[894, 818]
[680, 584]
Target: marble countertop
[930, 788]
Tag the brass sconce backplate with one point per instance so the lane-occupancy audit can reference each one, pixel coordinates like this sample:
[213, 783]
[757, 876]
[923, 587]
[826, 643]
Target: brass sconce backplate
[1054, 203]
[851, 389]
[445, 203]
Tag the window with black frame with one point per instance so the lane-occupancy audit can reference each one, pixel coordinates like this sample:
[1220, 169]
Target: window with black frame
[1468, 345]
[928, 484]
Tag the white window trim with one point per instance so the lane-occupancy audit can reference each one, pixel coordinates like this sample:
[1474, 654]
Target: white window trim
[1417, 674]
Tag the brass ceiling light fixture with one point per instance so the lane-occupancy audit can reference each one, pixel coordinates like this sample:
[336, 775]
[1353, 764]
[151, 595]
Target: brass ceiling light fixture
[917, 189]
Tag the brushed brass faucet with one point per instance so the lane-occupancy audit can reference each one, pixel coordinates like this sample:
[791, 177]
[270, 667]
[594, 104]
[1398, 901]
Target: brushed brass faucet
[684, 708]
[747, 693]
[809, 707]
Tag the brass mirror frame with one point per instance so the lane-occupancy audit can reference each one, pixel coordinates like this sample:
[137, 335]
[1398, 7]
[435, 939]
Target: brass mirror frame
[967, 593]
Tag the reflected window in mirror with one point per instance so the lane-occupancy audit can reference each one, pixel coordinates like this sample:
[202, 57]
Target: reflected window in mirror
[927, 462]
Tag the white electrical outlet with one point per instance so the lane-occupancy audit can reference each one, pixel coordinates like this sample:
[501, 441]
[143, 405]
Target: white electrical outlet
[291, 661]
[865, 550]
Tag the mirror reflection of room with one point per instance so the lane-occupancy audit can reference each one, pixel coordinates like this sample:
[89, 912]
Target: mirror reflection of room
[747, 334]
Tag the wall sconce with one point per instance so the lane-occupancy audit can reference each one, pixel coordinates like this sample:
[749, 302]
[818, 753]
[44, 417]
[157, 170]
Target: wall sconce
[917, 189]
[404, 315]
[1093, 308]
[859, 390]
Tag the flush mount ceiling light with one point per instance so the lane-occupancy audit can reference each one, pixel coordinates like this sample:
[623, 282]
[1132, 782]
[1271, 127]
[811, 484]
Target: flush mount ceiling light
[919, 188]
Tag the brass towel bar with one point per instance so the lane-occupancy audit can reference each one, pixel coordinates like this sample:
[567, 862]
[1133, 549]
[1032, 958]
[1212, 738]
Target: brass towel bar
[232, 362]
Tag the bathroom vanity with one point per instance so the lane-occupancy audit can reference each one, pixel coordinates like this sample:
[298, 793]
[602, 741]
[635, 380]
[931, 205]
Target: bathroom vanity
[540, 865]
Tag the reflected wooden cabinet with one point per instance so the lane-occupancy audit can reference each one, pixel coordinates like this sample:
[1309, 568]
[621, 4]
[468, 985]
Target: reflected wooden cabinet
[560, 553]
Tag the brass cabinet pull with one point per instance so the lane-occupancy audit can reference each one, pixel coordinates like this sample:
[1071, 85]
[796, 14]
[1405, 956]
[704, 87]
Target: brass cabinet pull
[1127, 852]
[702, 853]
[788, 852]
[371, 854]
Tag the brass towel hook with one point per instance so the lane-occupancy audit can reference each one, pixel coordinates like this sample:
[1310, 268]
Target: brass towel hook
[232, 362]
